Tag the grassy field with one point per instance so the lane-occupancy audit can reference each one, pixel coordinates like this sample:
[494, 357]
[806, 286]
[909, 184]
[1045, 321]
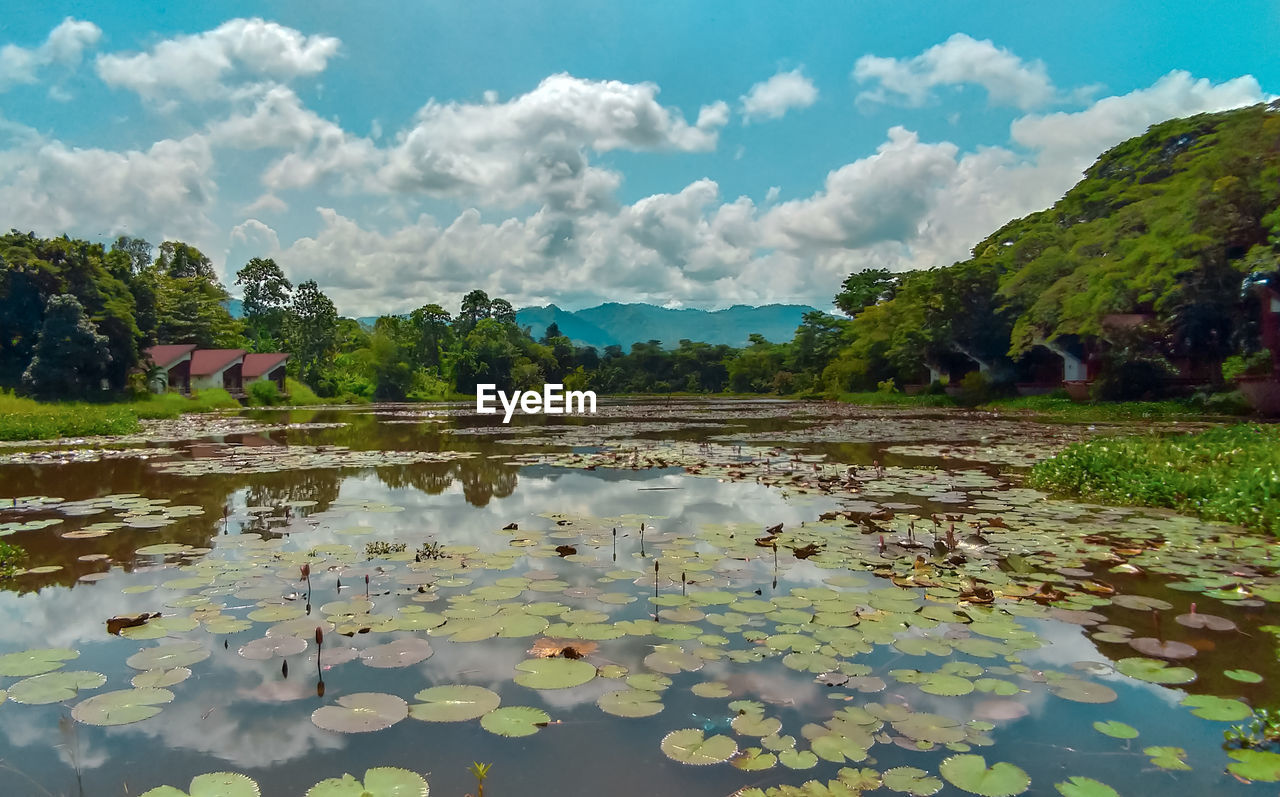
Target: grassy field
[1231, 473]
[25, 419]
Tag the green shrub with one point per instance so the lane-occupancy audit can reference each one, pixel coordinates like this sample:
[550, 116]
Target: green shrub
[975, 389]
[1256, 364]
[263, 393]
[299, 393]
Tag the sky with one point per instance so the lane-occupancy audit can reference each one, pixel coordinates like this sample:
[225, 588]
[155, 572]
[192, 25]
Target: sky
[582, 151]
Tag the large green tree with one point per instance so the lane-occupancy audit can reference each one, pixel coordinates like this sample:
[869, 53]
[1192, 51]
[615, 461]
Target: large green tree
[71, 359]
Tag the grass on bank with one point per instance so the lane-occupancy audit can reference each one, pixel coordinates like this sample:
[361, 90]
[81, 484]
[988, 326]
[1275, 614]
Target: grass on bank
[27, 419]
[1230, 473]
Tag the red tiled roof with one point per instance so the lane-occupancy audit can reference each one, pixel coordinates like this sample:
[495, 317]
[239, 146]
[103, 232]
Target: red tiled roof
[255, 365]
[206, 362]
[166, 355]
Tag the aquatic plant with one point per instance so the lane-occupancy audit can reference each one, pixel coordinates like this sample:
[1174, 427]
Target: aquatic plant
[1262, 730]
[480, 772]
[1229, 473]
[11, 558]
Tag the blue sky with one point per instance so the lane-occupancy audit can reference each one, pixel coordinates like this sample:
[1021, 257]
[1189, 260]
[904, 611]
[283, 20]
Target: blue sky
[684, 154]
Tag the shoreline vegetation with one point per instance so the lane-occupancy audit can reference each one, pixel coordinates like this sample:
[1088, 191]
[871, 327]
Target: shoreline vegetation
[1231, 473]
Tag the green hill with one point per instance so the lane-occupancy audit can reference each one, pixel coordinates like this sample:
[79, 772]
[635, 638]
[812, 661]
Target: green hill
[1164, 227]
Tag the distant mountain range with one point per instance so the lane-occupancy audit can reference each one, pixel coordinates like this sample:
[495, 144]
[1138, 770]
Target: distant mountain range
[623, 324]
[616, 324]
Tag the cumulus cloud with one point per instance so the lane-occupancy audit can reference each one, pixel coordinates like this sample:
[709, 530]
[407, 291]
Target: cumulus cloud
[65, 45]
[532, 149]
[876, 199]
[165, 190]
[206, 65]
[1112, 119]
[772, 98]
[535, 147]
[961, 59]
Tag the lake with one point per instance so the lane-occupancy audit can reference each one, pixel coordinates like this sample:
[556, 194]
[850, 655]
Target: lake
[671, 597]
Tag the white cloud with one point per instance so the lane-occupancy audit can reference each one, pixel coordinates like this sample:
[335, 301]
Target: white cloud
[256, 235]
[772, 98]
[204, 65]
[876, 199]
[166, 190]
[961, 59]
[1113, 119]
[65, 45]
[533, 148]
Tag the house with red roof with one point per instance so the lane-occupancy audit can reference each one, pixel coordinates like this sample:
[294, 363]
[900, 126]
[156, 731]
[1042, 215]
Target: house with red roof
[218, 368]
[173, 364]
[267, 366]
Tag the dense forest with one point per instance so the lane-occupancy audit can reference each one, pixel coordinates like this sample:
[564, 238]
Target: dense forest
[1169, 228]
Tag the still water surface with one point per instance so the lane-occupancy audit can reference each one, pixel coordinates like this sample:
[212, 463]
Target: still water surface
[248, 520]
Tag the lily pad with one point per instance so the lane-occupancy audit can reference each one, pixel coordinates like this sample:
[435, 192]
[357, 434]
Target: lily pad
[213, 784]
[121, 707]
[515, 721]
[971, 773]
[1078, 786]
[1217, 708]
[1154, 671]
[361, 712]
[554, 673]
[690, 746]
[378, 782]
[174, 654]
[1243, 676]
[54, 687]
[910, 780]
[453, 703]
[1116, 729]
[35, 662]
[1168, 757]
[1256, 765]
[400, 653]
[630, 703]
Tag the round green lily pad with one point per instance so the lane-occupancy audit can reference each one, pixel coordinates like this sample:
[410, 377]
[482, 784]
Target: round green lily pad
[453, 703]
[361, 712]
[213, 784]
[971, 773]
[912, 781]
[378, 782]
[1256, 765]
[554, 673]
[690, 746]
[630, 703]
[54, 687]
[121, 707]
[1154, 671]
[1116, 729]
[35, 662]
[1078, 786]
[1217, 708]
[514, 720]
